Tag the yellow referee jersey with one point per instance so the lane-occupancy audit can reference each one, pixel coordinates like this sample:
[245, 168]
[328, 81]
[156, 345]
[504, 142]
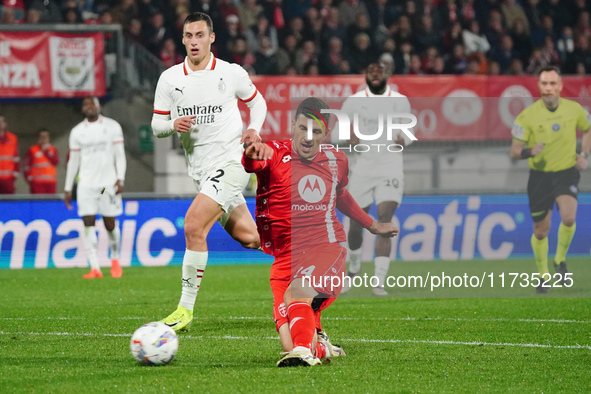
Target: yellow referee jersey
[556, 129]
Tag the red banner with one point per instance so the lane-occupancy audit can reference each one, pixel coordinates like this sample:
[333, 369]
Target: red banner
[448, 108]
[45, 64]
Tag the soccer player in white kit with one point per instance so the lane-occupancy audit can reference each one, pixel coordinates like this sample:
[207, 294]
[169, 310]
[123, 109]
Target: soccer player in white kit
[97, 154]
[377, 176]
[198, 99]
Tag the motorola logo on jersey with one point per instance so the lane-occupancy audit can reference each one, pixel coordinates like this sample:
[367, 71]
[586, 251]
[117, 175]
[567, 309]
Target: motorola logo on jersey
[311, 188]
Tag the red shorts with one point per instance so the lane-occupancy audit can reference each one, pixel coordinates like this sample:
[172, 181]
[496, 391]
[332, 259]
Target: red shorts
[320, 262]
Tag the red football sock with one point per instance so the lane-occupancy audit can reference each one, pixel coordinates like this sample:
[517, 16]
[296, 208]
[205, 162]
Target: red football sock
[301, 324]
[320, 350]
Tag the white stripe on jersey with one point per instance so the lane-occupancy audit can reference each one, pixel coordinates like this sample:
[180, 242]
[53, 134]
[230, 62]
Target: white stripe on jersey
[334, 169]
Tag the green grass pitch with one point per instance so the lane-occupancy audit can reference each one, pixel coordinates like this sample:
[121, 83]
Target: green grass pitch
[60, 333]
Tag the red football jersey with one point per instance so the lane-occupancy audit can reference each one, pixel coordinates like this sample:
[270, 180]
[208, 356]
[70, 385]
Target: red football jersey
[297, 198]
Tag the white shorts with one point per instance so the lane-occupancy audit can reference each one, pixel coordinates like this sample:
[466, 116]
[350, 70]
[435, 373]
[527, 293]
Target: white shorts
[91, 202]
[224, 186]
[366, 190]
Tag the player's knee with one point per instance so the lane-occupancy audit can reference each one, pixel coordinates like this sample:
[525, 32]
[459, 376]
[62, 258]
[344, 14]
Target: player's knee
[250, 241]
[568, 220]
[194, 234]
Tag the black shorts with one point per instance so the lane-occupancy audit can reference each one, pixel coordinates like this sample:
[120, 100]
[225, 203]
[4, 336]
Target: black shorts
[544, 187]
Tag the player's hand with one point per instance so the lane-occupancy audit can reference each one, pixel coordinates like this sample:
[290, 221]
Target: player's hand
[537, 148]
[354, 140]
[581, 163]
[250, 136]
[68, 200]
[118, 187]
[386, 230]
[259, 151]
[184, 124]
[400, 141]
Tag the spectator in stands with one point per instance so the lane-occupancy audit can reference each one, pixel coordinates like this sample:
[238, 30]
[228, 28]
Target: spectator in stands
[265, 60]
[533, 13]
[48, 9]
[448, 12]
[474, 41]
[226, 36]
[135, 31]
[296, 29]
[505, 53]
[428, 60]
[72, 16]
[323, 8]
[287, 56]
[41, 163]
[583, 27]
[262, 29]
[410, 11]
[8, 17]
[494, 68]
[582, 53]
[513, 11]
[452, 37]
[275, 14]
[522, 43]
[457, 62]
[307, 55]
[32, 17]
[156, 33]
[427, 36]
[473, 67]
[210, 8]
[467, 11]
[536, 62]
[313, 28]
[361, 54]
[516, 67]
[402, 65]
[312, 69]
[388, 61]
[227, 8]
[333, 28]
[349, 10]
[297, 8]
[559, 12]
[125, 11]
[149, 8]
[361, 25]
[438, 66]
[382, 15]
[248, 11]
[9, 159]
[566, 44]
[580, 69]
[169, 55]
[550, 53]
[404, 30]
[330, 60]
[547, 29]
[414, 67]
[16, 6]
[240, 54]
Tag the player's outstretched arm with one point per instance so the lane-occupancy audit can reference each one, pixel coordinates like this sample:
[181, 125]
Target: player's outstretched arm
[250, 136]
[259, 151]
[386, 230]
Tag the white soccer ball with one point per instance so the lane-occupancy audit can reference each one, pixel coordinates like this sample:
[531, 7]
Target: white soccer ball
[154, 344]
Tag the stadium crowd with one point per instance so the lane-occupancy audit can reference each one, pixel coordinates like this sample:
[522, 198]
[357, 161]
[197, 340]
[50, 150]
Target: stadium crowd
[328, 37]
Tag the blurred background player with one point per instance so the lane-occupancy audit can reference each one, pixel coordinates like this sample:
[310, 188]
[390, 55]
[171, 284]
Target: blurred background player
[305, 243]
[41, 163]
[545, 134]
[377, 177]
[9, 159]
[97, 154]
[199, 99]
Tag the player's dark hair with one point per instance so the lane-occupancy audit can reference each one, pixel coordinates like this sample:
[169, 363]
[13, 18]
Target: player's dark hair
[199, 16]
[313, 105]
[41, 130]
[548, 69]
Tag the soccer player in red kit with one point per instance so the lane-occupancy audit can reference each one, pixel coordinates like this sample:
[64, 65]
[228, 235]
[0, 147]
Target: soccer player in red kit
[300, 183]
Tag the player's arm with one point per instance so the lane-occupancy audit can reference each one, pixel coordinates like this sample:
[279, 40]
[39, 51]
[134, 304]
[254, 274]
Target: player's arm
[52, 155]
[584, 124]
[248, 93]
[120, 160]
[520, 133]
[71, 171]
[162, 123]
[256, 157]
[404, 139]
[348, 206]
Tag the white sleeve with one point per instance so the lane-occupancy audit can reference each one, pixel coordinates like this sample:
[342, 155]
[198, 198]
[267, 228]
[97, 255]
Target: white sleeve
[72, 169]
[119, 152]
[258, 112]
[405, 108]
[73, 162]
[162, 124]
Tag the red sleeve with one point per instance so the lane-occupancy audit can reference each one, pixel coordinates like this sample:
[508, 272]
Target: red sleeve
[251, 165]
[52, 155]
[347, 205]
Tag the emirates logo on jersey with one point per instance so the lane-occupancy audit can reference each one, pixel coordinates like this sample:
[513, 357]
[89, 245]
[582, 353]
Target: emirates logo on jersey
[311, 188]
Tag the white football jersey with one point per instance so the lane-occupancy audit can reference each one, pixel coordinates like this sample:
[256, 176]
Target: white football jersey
[368, 107]
[95, 141]
[212, 95]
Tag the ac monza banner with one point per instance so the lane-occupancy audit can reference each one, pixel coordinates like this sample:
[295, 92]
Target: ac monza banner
[448, 108]
[45, 64]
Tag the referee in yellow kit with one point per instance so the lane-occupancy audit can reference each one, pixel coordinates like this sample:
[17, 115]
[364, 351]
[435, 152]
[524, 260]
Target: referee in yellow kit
[545, 134]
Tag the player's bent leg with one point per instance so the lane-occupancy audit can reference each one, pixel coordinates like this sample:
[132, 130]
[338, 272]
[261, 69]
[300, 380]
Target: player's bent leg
[199, 219]
[386, 211]
[242, 228]
[91, 247]
[298, 298]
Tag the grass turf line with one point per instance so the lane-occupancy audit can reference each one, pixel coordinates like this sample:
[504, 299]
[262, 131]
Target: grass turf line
[236, 301]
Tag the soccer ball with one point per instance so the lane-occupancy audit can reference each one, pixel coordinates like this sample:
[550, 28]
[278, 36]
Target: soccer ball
[154, 344]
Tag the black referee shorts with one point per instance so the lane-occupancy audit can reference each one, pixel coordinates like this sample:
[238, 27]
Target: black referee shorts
[544, 187]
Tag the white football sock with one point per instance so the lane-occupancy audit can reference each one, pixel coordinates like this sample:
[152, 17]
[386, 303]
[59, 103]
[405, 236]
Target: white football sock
[382, 264]
[91, 246]
[355, 261]
[114, 239]
[193, 267]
